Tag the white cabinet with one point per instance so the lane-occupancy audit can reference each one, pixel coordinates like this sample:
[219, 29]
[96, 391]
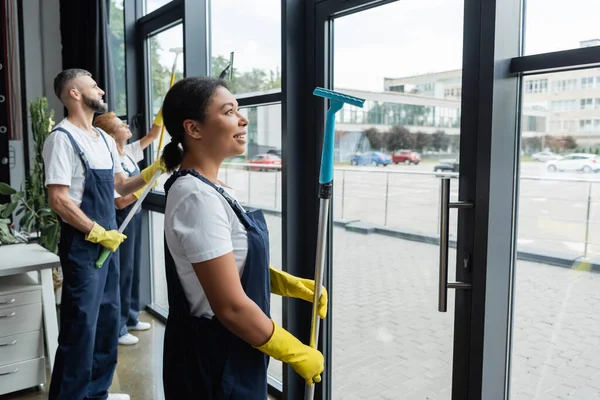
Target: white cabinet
[22, 362]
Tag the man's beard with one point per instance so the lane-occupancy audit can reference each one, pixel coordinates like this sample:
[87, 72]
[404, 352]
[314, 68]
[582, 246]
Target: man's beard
[95, 105]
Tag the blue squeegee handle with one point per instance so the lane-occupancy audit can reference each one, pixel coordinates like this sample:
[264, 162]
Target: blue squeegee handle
[326, 173]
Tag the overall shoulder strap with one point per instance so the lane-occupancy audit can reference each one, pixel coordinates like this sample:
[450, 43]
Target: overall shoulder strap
[75, 146]
[106, 143]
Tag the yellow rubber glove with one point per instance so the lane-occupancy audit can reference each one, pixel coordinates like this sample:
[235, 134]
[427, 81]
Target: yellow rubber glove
[108, 239]
[285, 347]
[158, 120]
[148, 173]
[287, 285]
[139, 192]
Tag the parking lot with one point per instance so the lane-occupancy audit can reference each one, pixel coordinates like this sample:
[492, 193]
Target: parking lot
[557, 211]
[389, 340]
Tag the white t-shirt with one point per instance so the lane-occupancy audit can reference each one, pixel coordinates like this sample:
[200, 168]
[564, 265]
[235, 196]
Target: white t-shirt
[63, 165]
[200, 225]
[132, 151]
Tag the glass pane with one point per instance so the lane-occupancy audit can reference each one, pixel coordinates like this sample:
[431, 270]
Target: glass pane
[554, 25]
[152, 5]
[256, 178]
[389, 340]
[254, 35]
[555, 344]
[116, 93]
[159, 279]
[164, 51]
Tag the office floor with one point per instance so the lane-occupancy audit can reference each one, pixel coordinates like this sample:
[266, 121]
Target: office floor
[139, 370]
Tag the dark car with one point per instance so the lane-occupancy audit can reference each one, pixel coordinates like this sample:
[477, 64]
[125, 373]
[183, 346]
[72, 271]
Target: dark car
[448, 165]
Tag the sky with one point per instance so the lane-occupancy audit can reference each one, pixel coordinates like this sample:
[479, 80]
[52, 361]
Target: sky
[403, 38]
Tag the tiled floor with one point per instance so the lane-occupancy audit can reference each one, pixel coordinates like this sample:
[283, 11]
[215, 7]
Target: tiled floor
[139, 370]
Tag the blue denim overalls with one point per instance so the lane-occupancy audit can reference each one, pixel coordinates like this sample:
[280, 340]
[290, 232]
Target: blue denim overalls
[89, 311]
[129, 252]
[202, 359]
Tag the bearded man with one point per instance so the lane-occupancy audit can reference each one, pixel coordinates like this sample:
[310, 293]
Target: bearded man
[82, 172]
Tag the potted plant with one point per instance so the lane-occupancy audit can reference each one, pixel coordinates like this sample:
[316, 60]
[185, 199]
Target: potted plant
[37, 219]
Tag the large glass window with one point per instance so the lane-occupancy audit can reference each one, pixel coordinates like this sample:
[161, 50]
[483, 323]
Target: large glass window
[116, 58]
[153, 5]
[555, 345]
[554, 25]
[159, 279]
[164, 51]
[256, 178]
[253, 34]
[389, 340]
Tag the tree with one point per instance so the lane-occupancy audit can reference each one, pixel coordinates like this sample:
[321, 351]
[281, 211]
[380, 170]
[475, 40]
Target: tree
[399, 138]
[532, 144]
[377, 140]
[569, 142]
[422, 141]
[255, 80]
[439, 141]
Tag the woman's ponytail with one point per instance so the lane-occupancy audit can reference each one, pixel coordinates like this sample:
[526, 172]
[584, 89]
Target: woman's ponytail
[172, 155]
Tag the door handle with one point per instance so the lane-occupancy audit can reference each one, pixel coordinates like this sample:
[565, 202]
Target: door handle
[446, 205]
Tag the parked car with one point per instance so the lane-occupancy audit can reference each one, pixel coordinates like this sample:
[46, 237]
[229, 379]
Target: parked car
[265, 162]
[406, 156]
[447, 165]
[575, 162]
[277, 152]
[545, 156]
[376, 158]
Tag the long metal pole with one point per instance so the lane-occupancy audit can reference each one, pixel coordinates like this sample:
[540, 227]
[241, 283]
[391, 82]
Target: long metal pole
[309, 391]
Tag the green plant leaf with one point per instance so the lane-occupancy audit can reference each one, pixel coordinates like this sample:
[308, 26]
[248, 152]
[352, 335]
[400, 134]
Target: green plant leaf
[48, 229]
[45, 212]
[9, 210]
[6, 189]
[20, 195]
[26, 221]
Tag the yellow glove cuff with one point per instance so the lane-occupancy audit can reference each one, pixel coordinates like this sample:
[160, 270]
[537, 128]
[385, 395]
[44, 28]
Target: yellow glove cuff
[96, 234]
[158, 120]
[285, 347]
[148, 173]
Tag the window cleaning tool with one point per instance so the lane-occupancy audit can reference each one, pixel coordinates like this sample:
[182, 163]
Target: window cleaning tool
[177, 51]
[106, 252]
[337, 101]
[228, 71]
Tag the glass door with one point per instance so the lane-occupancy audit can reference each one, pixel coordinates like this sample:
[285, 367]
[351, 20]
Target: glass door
[411, 261]
[389, 339]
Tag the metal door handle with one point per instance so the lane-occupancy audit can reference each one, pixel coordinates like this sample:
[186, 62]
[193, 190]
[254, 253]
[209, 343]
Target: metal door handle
[9, 344]
[446, 205]
[2, 303]
[10, 372]
[12, 314]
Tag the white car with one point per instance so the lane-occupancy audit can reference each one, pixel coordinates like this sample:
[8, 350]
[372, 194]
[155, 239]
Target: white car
[545, 156]
[575, 162]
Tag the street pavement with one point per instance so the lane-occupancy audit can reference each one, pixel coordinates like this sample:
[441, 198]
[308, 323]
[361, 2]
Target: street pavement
[390, 342]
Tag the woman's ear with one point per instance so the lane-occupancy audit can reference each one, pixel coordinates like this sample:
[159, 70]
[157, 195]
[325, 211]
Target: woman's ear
[192, 128]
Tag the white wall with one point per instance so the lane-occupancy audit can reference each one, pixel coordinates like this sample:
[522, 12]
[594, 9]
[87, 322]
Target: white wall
[42, 54]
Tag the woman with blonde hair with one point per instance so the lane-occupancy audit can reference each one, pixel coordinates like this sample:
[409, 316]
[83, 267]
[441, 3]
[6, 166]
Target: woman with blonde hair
[129, 251]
